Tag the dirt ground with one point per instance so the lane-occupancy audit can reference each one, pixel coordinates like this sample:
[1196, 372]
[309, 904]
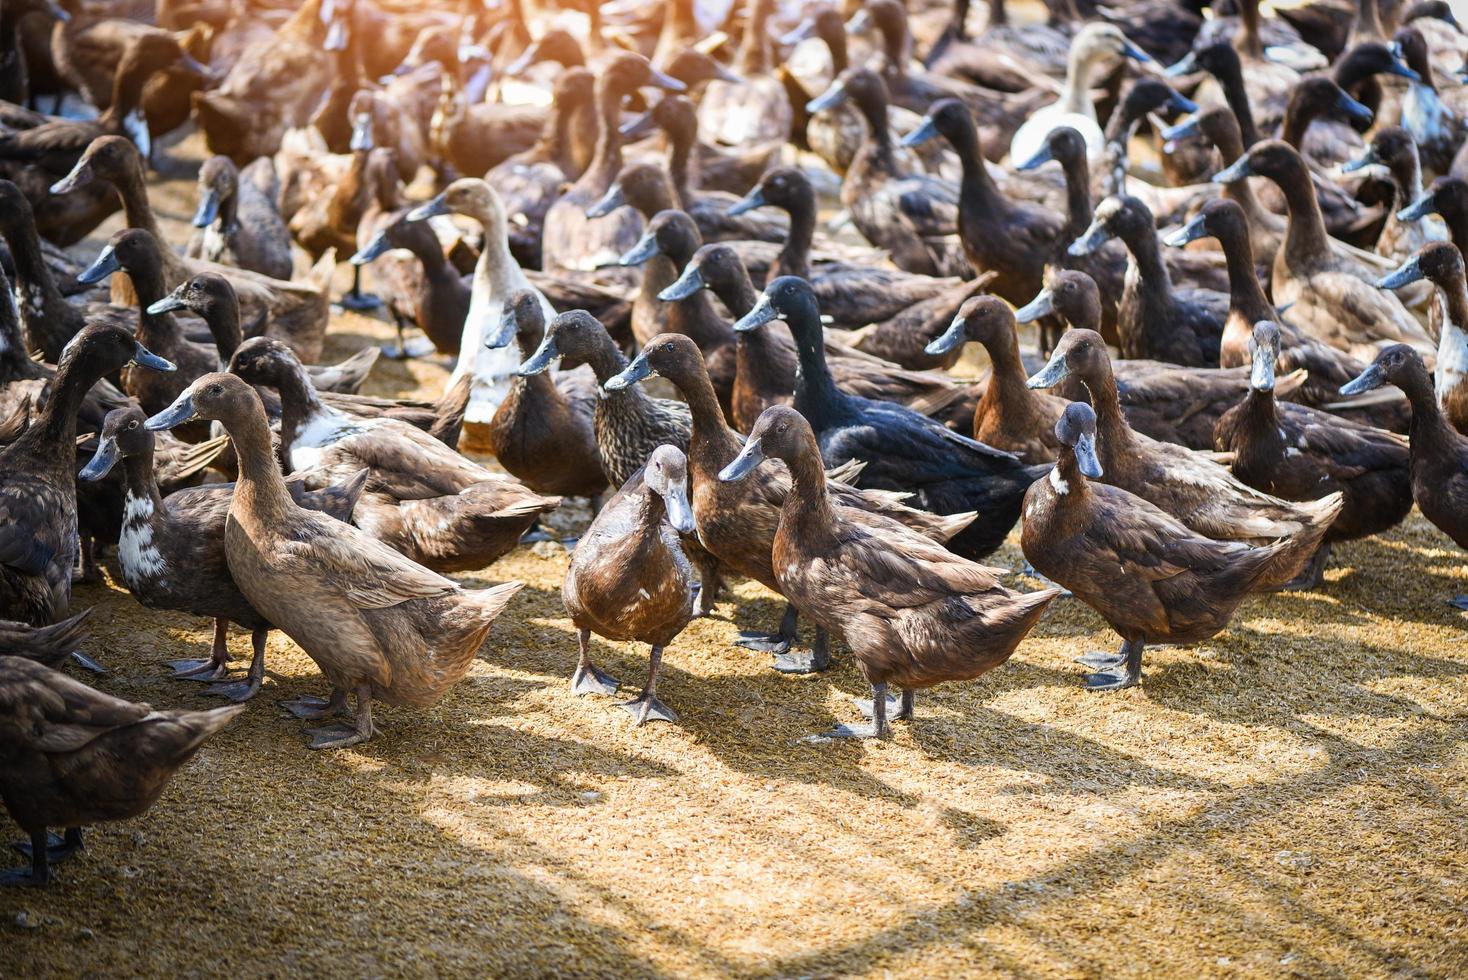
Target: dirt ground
[1286, 799]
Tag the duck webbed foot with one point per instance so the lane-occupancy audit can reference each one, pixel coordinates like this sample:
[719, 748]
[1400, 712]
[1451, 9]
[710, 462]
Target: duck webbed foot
[339, 736]
[876, 728]
[355, 299]
[590, 679]
[1312, 575]
[311, 708]
[1126, 673]
[706, 592]
[238, 691]
[216, 668]
[898, 708]
[38, 875]
[817, 660]
[1459, 602]
[406, 348]
[771, 642]
[1101, 660]
[647, 707]
[58, 848]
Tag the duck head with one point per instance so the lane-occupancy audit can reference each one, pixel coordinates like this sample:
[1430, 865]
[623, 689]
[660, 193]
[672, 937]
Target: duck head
[108, 158]
[783, 187]
[644, 186]
[264, 361]
[627, 72]
[1440, 262]
[554, 45]
[123, 435]
[780, 432]
[469, 196]
[1274, 159]
[218, 186]
[670, 233]
[671, 355]
[1070, 294]
[132, 250]
[203, 294]
[1080, 352]
[948, 118]
[1371, 58]
[522, 320]
[860, 86]
[1264, 354]
[673, 114]
[1116, 217]
[1076, 430]
[980, 318]
[1448, 196]
[788, 298]
[1218, 59]
[362, 113]
[666, 474]
[571, 337]
[104, 348]
[214, 397]
[1063, 144]
[714, 266]
[1220, 218]
[693, 68]
[1393, 365]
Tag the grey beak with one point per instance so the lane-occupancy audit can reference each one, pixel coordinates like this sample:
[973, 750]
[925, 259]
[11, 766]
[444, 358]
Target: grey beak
[1409, 272]
[754, 199]
[1051, 374]
[372, 249]
[829, 99]
[742, 465]
[1237, 170]
[181, 411]
[675, 503]
[104, 265]
[1094, 238]
[544, 355]
[208, 209]
[101, 462]
[1190, 232]
[1086, 459]
[1372, 377]
[613, 199]
[80, 176]
[432, 209]
[173, 301]
[763, 312]
[690, 282]
[630, 375]
[1041, 305]
[926, 130]
[949, 339]
[644, 250]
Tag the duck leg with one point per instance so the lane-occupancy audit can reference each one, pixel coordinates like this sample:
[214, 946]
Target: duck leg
[876, 728]
[772, 642]
[246, 689]
[1312, 575]
[355, 299]
[311, 708]
[814, 662]
[1459, 602]
[1128, 673]
[38, 875]
[406, 349]
[647, 707]
[58, 848]
[216, 668]
[340, 736]
[902, 706]
[709, 584]
[589, 679]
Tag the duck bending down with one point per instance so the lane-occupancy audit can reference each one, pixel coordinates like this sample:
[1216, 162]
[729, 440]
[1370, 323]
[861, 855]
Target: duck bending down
[74, 756]
[1295, 452]
[903, 450]
[50, 645]
[1152, 578]
[38, 507]
[379, 625]
[171, 549]
[1196, 491]
[914, 614]
[1438, 453]
[424, 499]
[736, 522]
[630, 580]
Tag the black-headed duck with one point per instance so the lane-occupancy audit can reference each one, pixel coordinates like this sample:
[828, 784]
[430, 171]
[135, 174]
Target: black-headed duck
[530, 181]
[1442, 264]
[856, 577]
[1004, 56]
[379, 625]
[171, 550]
[38, 532]
[1329, 295]
[1184, 483]
[1153, 579]
[237, 220]
[1438, 453]
[1447, 196]
[1299, 453]
[630, 580]
[903, 449]
[542, 432]
[737, 522]
[76, 756]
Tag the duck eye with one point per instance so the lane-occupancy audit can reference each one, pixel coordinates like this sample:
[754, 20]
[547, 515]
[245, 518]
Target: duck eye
[216, 389]
[133, 424]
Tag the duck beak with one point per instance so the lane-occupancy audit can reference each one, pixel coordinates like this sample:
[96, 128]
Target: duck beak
[645, 249]
[1190, 232]
[1420, 208]
[631, 374]
[675, 502]
[372, 249]
[80, 176]
[136, 125]
[690, 282]
[1185, 129]
[56, 12]
[1372, 377]
[763, 313]
[1042, 156]
[829, 99]
[543, 357]
[636, 129]
[1399, 69]
[1086, 459]
[505, 333]
[1041, 305]
[527, 58]
[1363, 161]
[805, 30]
[1094, 238]
[742, 465]
[1237, 170]
[1051, 374]
[613, 199]
[103, 266]
[1181, 102]
[926, 130]
[173, 301]
[181, 411]
[439, 205]
[1187, 66]
[361, 140]
[754, 199]
[1352, 109]
[1135, 53]
[208, 209]
[143, 357]
[1261, 378]
[1409, 272]
[665, 81]
[949, 339]
[725, 75]
[101, 462]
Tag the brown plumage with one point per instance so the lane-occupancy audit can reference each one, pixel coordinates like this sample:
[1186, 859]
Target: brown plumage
[50, 645]
[237, 220]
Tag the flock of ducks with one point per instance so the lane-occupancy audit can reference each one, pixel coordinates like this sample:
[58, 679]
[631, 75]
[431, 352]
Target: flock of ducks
[1238, 237]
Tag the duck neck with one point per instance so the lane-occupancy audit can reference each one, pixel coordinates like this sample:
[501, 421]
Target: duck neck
[1078, 208]
[134, 194]
[836, 45]
[1231, 146]
[606, 361]
[1114, 435]
[39, 298]
[807, 508]
[1430, 433]
[1261, 415]
[1075, 97]
[607, 160]
[1305, 237]
[138, 477]
[794, 258]
[1249, 43]
[710, 436]
[895, 49]
[1069, 487]
[680, 164]
[754, 52]
[1245, 296]
[260, 490]
[160, 331]
[224, 326]
[1152, 275]
[15, 364]
[816, 394]
[1407, 176]
[976, 190]
[650, 518]
[496, 268]
[1236, 96]
[998, 16]
[53, 435]
[1453, 345]
[1007, 393]
[1368, 22]
[879, 138]
[737, 293]
[299, 403]
[228, 218]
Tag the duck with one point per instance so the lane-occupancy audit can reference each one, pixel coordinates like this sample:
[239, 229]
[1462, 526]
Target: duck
[907, 214]
[424, 288]
[1446, 196]
[237, 219]
[1156, 320]
[1329, 296]
[859, 578]
[1318, 99]
[665, 248]
[567, 241]
[698, 167]
[543, 432]
[1442, 264]
[1183, 483]
[423, 498]
[291, 311]
[379, 625]
[1150, 576]
[832, 134]
[904, 450]
[1436, 129]
[630, 580]
[1438, 452]
[737, 522]
[16, 85]
[1393, 148]
[171, 549]
[1096, 44]
[50, 645]
[531, 180]
[38, 533]
[1009, 416]
[1296, 452]
[1145, 99]
[1004, 56]
[76, 756]
[754, 109]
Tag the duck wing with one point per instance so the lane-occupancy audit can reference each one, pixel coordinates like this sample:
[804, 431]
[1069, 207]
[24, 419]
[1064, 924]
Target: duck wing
[45, 711]
[366, 572]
